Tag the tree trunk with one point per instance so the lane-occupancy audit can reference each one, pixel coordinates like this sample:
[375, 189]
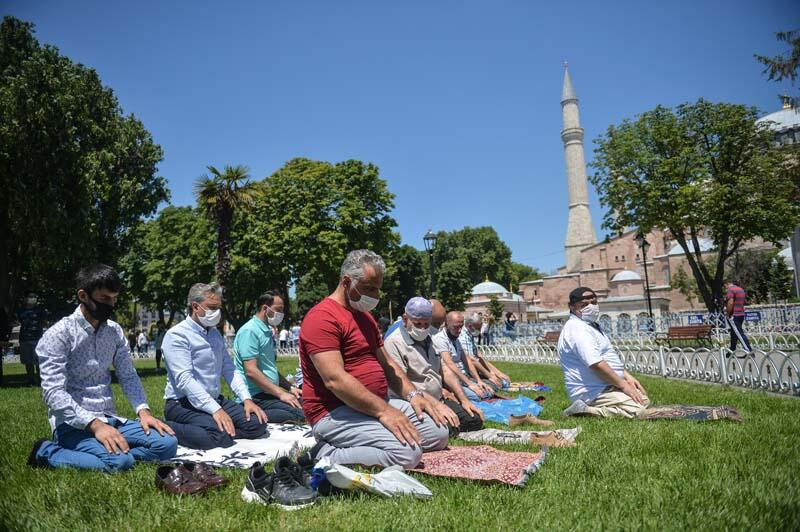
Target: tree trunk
[702, 284]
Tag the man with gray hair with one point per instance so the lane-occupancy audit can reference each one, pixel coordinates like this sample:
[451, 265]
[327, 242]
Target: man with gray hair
[196, 358]
[472, 329]
[347, 374]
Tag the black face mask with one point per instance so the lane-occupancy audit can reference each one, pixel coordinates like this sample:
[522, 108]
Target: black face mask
[101, 311]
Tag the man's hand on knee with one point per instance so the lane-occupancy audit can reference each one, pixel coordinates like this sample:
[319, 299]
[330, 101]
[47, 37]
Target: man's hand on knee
[224, 422]
[110, 437]
[398, 424]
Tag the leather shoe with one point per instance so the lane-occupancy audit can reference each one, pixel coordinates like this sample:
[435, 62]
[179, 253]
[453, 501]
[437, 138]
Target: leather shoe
[528, 419]
[206, 474]
[178, 480]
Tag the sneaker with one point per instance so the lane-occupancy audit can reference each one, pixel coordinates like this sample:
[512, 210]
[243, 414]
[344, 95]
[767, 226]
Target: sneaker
[309, 458]
[32, 460]
[575, 409]
[301, 474]
[258, 486]
[287, 491]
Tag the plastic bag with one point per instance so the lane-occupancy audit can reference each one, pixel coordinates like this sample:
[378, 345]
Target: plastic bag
[390, 482]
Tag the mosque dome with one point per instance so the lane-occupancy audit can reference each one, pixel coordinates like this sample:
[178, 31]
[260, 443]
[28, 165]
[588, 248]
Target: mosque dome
[488, 288]
[784, 120]
[627, 275]
[706, 244]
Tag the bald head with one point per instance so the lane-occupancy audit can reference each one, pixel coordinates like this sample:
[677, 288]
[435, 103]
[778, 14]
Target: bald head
[454, 322]
[439, 313]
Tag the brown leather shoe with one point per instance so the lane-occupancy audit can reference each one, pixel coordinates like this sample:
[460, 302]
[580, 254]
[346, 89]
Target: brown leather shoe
[178, 480]
[206, 474]
[528, 419]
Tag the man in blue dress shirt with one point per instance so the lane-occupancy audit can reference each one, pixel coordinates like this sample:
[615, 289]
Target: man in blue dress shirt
[196, 358]
[75, 355]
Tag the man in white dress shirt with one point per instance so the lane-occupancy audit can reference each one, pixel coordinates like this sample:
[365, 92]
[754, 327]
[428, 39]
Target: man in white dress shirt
[594, 374]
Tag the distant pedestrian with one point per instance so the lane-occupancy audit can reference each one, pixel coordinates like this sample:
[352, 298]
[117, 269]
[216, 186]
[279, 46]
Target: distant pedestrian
[142, 342]
[283, 336]
[295, 334]
[484, 337]
[31, 328]
[162, 330]
[734, 310]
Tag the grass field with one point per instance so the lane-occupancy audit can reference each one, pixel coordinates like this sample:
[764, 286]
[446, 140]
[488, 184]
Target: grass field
[664, 475]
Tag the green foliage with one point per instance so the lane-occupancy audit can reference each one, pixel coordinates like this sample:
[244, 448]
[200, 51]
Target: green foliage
[686, 285]
[495, 309]
[522, 272]
[76, 174]
[700, 167]
[168, 255]
[405, 276]
[316, 212]
[220, 196]
[466, 257]
[783, 67]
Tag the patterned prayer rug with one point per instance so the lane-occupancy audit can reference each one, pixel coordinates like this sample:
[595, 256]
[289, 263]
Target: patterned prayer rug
[482, 463]
[528, 387]
[553, 438]
[282, 440]
[696, 413]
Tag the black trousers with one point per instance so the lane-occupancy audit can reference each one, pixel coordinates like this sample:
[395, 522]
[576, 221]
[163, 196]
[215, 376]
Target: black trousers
[468, 423]
[737, 322]
[277, 411]
[197, 429]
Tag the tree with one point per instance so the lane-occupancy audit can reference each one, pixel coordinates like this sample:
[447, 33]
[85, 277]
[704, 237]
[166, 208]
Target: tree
[405, 276]
[701, 168]
[219, 196]
[779, 280]
[783, 67]
[169, 254]
[77, 175]
[495, 309]
[317, 212]
[466, 257]
[522, 272]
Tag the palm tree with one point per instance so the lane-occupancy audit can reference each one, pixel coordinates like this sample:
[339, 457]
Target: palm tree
[218, 196]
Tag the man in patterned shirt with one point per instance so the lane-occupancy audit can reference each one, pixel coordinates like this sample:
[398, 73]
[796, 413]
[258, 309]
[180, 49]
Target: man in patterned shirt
[74, 356]
[734, 308]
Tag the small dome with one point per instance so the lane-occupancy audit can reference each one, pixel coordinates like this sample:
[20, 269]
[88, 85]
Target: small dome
[786, 254]
[706, 244]
[488, 288]
[783, 120]
[627, 275]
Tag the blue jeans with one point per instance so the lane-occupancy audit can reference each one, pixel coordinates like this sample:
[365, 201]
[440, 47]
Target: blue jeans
[472, 396]
[80, 449]
[277, 411]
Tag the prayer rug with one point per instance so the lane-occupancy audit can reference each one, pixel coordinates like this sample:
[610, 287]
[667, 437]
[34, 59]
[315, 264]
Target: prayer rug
[696, 413]
[553, 438]
[482, 463]
[537, 386]
[500, 410]
[282, 440]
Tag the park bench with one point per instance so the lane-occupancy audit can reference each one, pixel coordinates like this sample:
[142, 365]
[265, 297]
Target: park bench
[551, 337]
[700, 334]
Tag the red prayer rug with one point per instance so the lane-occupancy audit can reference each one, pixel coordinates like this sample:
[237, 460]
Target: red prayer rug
[482, 463]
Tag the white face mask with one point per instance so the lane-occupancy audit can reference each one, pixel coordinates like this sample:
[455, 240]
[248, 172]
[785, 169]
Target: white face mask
[590, 313]
[211, 317]
[31, 301]
[365, 304]
[276, 319]
[418, 334]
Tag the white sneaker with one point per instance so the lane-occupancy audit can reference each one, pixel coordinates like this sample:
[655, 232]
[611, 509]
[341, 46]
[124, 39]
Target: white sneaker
[575, 409]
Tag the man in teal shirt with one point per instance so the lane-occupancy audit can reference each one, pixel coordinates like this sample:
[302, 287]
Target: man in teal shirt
[254, 357]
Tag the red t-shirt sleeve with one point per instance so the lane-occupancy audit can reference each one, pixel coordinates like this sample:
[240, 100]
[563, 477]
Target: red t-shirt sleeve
[321, 332]
[376, 330]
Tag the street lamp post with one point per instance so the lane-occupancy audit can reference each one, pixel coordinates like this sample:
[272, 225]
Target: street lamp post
[430, 246]
[645, 245]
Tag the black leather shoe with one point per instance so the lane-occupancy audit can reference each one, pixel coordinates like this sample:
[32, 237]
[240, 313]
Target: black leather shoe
[32, 461]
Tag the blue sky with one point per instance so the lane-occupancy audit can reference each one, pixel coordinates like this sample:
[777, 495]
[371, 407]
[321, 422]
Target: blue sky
[457, 102]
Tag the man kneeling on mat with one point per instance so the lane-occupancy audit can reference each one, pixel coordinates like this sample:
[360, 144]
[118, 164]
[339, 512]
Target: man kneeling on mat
[594, 375]
[196, 358]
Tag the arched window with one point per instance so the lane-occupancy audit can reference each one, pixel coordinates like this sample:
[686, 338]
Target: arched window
[624, 324]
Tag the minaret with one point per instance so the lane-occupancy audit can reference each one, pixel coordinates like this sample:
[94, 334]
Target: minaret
[580, 231]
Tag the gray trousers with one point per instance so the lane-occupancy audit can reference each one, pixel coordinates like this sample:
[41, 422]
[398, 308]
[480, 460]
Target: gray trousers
[351, 437]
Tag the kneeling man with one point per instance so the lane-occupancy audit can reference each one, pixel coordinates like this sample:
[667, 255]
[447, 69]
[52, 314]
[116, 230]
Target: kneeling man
[594, 375]
[75, 355]
[196, 358]
[410, 346]
[346, 376]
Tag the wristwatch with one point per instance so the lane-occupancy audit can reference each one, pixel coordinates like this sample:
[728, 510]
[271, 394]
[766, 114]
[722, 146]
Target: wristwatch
[413, 394]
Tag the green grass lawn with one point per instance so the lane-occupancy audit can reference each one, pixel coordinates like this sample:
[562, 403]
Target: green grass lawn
[623, 474]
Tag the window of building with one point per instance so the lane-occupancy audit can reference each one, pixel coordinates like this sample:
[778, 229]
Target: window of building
[637, 256]
[623, 258]
[616, 258]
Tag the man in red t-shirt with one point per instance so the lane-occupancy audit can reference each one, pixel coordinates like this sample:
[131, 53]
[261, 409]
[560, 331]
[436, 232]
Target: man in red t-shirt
[734, 308]
[346, 376]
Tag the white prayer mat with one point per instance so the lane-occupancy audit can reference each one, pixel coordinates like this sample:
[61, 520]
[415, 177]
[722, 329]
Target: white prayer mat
[282, 440]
